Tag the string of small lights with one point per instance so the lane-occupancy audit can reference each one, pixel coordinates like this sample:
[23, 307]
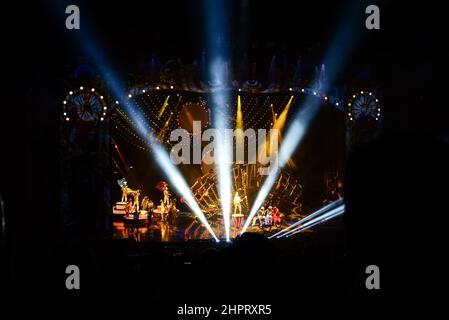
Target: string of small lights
[81, 98]
[363, 104]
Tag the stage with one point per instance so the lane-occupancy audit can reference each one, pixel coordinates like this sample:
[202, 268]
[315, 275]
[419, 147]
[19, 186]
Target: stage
[184, 227]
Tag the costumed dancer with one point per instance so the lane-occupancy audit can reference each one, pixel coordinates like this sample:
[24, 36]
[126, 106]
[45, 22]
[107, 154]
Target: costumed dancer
[276, 216]
[166, 196]
[237, 203]
[136, 199]
[129, 208]
[125, 190]
[269, 218]
[257, 218]
[163, 209]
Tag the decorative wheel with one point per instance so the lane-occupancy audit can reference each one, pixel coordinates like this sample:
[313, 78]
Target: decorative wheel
[83, 109]
[364, 106]
[84, 105]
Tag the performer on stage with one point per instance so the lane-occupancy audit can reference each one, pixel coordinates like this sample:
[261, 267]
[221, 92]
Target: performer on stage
[145, 202]
[125, 191]
[166, 196]
[237, 203]
[163, 211]
[136, 199]
[147, 206]
[129, 208]
[259, 216]
[276, 216]
[269, 218]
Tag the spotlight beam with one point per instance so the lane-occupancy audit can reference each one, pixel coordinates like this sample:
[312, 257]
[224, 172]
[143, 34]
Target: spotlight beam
[320, 211]
[299, 230]
[217, 31]
[324, 217]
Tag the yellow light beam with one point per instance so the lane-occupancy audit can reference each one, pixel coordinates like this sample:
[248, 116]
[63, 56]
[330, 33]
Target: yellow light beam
[124, 116]
[164, 106]
[163, 131]
[273, 114]
[239, 120]
[279, 125]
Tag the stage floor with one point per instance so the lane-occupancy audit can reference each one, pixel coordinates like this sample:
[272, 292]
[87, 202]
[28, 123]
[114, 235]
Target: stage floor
[184, 227]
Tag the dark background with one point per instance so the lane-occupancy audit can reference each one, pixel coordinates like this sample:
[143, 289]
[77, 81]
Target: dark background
[405, 60]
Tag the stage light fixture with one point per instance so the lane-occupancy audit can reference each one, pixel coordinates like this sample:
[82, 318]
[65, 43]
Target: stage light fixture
[81, 88]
